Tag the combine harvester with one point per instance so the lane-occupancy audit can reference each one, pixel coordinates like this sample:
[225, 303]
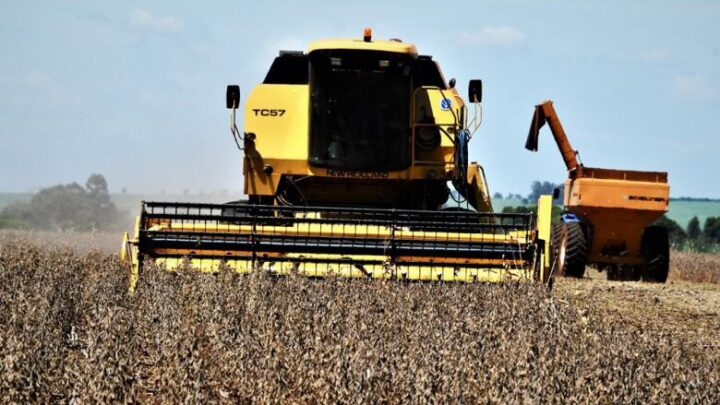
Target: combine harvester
[607, 216]
[355, 164]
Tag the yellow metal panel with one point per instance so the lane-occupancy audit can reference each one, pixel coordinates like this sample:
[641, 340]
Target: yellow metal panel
[544, 217]
[124, 255]
[129, 255]
[318, 230]
[478, 185]
[257, 183]
[359, 44]
[278, 116]
[428, 109]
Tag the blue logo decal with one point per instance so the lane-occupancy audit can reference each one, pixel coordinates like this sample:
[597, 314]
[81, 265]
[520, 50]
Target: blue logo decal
[445, 104]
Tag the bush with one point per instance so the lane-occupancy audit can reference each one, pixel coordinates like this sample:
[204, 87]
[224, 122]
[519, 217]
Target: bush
[693, 228]
[64, 207]
[711, 230]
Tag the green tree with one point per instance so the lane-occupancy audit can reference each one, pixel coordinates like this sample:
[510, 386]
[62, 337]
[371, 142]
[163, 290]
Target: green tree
[96, 184]
[711, 229]
[65, 206]
[693, 228]
[539, 188]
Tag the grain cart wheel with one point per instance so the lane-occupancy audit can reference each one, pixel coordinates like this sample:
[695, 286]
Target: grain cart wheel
[555, 235]
[572, 250]
[656, 249]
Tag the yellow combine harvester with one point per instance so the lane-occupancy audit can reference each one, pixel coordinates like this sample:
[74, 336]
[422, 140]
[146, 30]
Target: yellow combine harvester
[355, 164]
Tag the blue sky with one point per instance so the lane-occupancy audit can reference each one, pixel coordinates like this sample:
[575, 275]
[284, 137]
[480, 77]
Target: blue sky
[135, 91]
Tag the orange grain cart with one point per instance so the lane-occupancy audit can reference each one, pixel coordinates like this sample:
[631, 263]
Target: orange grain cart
[607, 215]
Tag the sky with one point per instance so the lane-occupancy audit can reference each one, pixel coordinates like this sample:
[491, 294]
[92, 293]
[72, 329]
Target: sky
[135, 91]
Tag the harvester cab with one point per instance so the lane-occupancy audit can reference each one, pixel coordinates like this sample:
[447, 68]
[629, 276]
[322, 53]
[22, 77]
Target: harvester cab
[348, 153]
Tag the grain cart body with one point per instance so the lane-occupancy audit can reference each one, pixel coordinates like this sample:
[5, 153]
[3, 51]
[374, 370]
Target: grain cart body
[608, 214]
[354, 164]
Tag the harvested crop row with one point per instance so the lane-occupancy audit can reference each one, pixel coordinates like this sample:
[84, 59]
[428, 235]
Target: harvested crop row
[70, 331]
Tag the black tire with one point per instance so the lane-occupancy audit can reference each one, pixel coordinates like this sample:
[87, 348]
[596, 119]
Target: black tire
[555, 235]
[572, 250]
[656, 249]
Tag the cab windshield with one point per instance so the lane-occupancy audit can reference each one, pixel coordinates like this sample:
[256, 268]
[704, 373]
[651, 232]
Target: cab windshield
[360, 109]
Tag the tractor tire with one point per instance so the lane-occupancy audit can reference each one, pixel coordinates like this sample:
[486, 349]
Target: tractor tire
[656, 249]
[555, 234]
[571, 250]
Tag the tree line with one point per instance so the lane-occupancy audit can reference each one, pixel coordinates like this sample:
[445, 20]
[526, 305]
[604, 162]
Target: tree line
[65, 207]
[694, 237]
[537, 188]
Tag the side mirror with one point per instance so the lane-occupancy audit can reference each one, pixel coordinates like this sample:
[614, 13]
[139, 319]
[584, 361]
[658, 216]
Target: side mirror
[556, 193]
[475, 91]
[232, 96]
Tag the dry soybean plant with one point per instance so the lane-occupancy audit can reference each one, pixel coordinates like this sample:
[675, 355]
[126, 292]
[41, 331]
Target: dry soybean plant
[70, 332]
[695, 267]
